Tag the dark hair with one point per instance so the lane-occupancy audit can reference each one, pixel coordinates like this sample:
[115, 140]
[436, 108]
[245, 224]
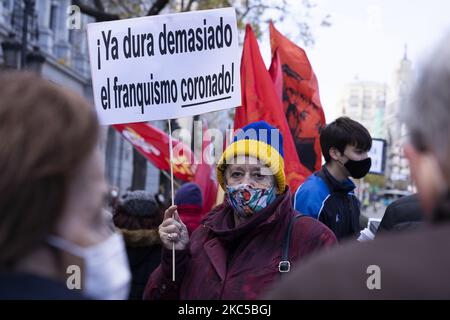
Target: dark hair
[46, 133]
[343, 132]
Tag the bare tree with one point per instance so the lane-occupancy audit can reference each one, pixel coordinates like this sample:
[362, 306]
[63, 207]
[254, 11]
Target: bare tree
[256, 12]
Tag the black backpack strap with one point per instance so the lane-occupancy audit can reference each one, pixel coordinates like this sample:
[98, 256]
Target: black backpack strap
[285, 264]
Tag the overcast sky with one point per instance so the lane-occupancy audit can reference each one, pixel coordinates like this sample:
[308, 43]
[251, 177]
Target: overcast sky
[367, 40]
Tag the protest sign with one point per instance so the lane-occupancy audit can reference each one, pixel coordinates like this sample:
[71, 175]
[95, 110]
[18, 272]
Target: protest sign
[378, 155]
[165, 67]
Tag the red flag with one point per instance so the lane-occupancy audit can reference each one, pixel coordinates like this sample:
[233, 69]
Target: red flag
[301, 100]
[153, 144]
[276, 73]
[260, 102]
[205, 176]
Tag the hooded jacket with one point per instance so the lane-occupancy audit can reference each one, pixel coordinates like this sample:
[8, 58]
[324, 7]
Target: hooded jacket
[228, 262]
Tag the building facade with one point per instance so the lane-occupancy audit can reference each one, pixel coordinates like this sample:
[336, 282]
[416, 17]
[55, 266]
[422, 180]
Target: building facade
[378, 107]
[365, 102]
[397, 168]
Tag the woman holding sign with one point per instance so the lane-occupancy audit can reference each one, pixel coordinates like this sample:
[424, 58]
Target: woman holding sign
[245, 244]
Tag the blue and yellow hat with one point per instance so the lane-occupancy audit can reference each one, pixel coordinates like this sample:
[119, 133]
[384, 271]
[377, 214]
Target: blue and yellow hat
[259, 140]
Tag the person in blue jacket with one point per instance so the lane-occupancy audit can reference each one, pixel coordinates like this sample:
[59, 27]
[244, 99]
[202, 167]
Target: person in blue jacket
[328, 194]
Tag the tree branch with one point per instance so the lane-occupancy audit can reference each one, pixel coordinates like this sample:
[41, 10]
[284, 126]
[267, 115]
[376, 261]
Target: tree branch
[189, 5]
[99, 5]
[157, 7]
[125, 8]
[98, 15]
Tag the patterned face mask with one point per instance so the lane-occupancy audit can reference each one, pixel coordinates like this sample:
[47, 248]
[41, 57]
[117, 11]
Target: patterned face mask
[247, 200]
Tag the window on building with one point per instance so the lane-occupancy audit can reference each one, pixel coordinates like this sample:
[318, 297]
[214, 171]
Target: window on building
[53, 17]
[7, 4]
[367, 105]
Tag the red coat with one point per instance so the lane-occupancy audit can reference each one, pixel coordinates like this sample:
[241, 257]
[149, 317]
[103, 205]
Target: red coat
[224, 262]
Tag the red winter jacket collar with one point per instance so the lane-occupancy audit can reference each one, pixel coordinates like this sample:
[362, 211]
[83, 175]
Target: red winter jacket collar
[227, 262]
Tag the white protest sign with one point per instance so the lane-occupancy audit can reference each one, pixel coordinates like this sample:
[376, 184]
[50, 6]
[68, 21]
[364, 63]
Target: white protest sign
[377, 154]
[165, 67]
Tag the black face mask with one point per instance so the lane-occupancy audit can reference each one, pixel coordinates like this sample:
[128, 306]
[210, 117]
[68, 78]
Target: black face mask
[358, 169]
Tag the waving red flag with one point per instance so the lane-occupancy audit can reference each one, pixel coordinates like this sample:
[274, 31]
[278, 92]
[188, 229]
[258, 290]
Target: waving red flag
[301, 102]
[153, 144]
[276, 73]
[261, 102]
[205, 176]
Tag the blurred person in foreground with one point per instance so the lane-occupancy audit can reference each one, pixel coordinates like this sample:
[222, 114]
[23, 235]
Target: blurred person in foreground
[138, 216]
[55, 241]
[237, 251]
[408, 265]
